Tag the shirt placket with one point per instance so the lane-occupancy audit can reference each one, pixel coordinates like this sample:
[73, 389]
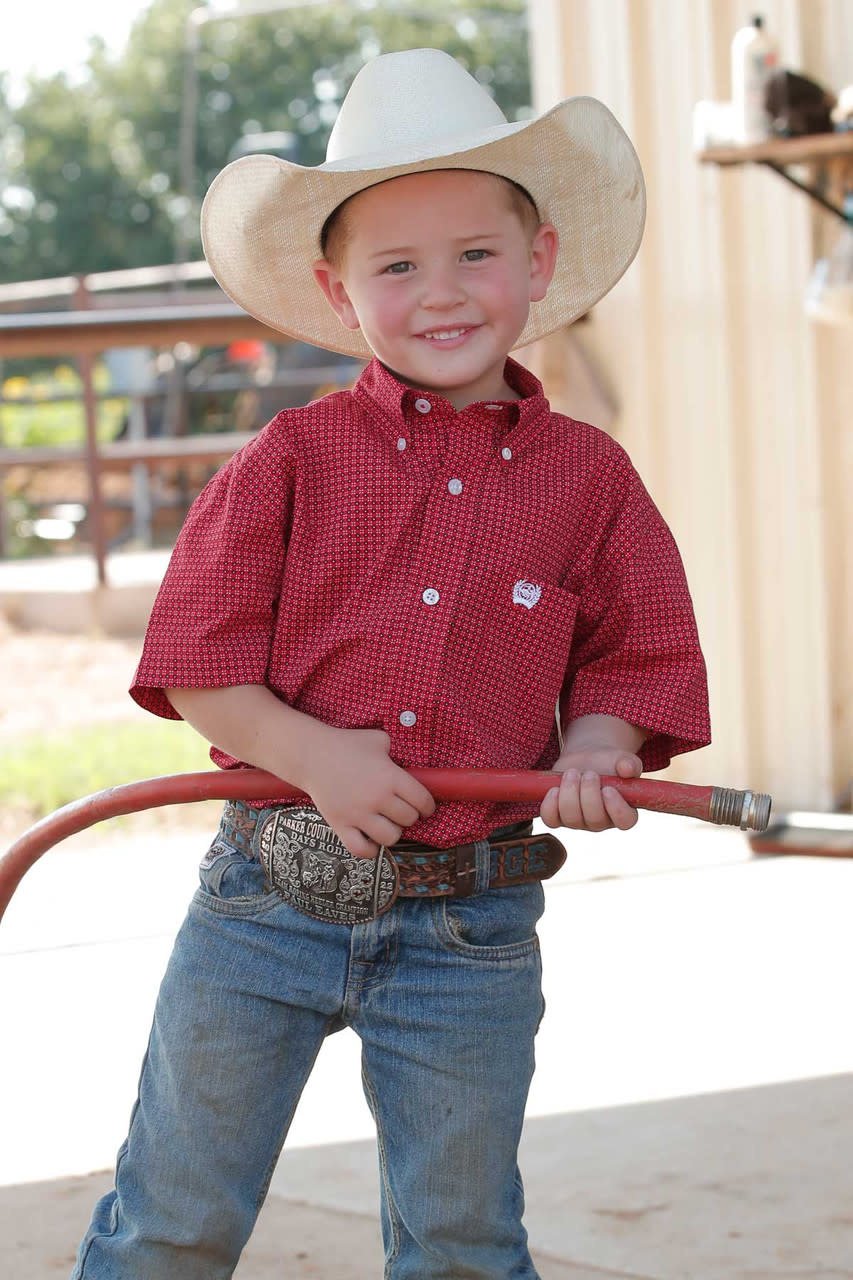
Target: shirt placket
[456, 456]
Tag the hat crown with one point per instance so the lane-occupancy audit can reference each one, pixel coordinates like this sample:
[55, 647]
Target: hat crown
[410, 98]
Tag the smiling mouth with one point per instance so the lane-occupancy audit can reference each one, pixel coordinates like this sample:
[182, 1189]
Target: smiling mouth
[447, 335]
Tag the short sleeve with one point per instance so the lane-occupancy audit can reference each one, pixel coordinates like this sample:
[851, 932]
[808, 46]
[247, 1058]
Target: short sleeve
[636, 653]
[214, 615]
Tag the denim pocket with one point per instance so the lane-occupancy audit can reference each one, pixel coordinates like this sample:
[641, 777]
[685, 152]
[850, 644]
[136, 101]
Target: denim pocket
[231, 881]
[499, 924]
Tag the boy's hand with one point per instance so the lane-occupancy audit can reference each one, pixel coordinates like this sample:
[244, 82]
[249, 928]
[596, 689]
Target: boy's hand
[580, 801]
[364, 796]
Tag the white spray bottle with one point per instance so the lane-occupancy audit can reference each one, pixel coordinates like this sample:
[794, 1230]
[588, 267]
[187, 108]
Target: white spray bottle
[754, 59]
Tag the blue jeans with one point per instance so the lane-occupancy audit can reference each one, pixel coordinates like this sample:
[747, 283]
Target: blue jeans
[445, 995]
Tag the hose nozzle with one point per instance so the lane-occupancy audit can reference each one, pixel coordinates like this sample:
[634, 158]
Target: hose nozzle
[749, 810]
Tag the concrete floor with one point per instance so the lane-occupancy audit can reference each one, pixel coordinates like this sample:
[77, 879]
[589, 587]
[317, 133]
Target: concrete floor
[691, 1117]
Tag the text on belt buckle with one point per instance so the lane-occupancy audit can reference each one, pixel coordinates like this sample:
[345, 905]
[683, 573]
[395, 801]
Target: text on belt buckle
[314, 872]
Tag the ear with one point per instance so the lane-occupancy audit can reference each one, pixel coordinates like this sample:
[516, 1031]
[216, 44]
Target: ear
[331, 282]
[543, 260]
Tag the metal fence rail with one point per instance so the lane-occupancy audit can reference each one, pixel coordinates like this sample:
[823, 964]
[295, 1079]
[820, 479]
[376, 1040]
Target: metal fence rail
[86, 332]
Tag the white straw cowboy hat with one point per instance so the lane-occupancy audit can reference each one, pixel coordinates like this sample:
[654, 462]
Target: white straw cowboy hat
[406, 113]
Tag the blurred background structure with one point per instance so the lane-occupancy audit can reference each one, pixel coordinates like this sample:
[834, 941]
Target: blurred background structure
[735, 406]
[733, 402]
[104, 175]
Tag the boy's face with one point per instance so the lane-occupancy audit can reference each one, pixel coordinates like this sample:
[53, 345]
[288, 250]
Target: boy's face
[438, 272]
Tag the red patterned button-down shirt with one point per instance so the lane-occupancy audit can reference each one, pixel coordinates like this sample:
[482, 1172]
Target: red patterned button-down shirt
[381, 560]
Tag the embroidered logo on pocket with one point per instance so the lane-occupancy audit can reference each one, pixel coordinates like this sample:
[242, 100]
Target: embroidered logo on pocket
[526, 593]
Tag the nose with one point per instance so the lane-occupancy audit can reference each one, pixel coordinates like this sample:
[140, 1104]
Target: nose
[441, 289]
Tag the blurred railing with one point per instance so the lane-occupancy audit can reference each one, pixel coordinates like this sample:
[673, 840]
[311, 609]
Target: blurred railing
[91, 329]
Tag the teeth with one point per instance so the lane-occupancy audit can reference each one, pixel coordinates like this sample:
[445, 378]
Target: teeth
[445, 333]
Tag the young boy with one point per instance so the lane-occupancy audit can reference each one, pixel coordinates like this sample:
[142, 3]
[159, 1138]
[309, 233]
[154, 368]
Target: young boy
[412, 573]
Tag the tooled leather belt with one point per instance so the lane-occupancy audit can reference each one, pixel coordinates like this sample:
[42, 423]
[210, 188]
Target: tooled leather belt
[306, 863]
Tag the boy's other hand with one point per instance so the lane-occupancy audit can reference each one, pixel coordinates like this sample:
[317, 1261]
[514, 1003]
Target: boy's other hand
[364, 796]
[580, 801]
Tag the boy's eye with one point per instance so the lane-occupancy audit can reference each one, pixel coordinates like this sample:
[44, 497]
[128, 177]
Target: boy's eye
[397, 268]
[475, 255]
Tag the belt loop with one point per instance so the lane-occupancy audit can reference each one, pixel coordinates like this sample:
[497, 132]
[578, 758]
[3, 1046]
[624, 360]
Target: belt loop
[483, 863]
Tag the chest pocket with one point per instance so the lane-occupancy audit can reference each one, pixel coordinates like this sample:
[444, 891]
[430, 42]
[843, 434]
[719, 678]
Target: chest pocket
[513, 649]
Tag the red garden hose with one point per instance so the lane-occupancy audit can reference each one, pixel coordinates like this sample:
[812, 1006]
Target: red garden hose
[745, 809]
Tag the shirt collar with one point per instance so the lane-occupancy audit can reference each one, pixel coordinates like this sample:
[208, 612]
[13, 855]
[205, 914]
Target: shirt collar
[400, 406]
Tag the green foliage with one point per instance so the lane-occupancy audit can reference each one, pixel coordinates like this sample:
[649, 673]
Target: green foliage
[42, 773]
[92, 170]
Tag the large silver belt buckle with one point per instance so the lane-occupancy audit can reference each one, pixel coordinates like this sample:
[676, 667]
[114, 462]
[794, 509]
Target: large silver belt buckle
[306, 863]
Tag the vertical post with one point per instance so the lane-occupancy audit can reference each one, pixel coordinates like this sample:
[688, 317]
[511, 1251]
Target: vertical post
[86, 363]
[185, 225]
[3, 515]
[174, 407]
[140, 478]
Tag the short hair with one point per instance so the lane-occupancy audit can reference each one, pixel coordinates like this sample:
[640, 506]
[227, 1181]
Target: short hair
[335, 232]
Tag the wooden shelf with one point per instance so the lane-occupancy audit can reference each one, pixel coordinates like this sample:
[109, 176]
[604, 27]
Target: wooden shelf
[827, 158]
[815, 146]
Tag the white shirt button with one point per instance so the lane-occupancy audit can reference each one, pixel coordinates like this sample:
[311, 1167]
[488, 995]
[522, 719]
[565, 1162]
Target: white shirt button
[401, 443]
[408, 718]
[430, 596]
[455, 486]
[422, 406]
[506, 454]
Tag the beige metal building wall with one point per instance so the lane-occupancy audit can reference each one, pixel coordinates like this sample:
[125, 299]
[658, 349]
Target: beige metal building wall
[735, 407]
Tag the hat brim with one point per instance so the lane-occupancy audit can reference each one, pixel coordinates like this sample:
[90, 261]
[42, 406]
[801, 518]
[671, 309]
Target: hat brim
[262, 216]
